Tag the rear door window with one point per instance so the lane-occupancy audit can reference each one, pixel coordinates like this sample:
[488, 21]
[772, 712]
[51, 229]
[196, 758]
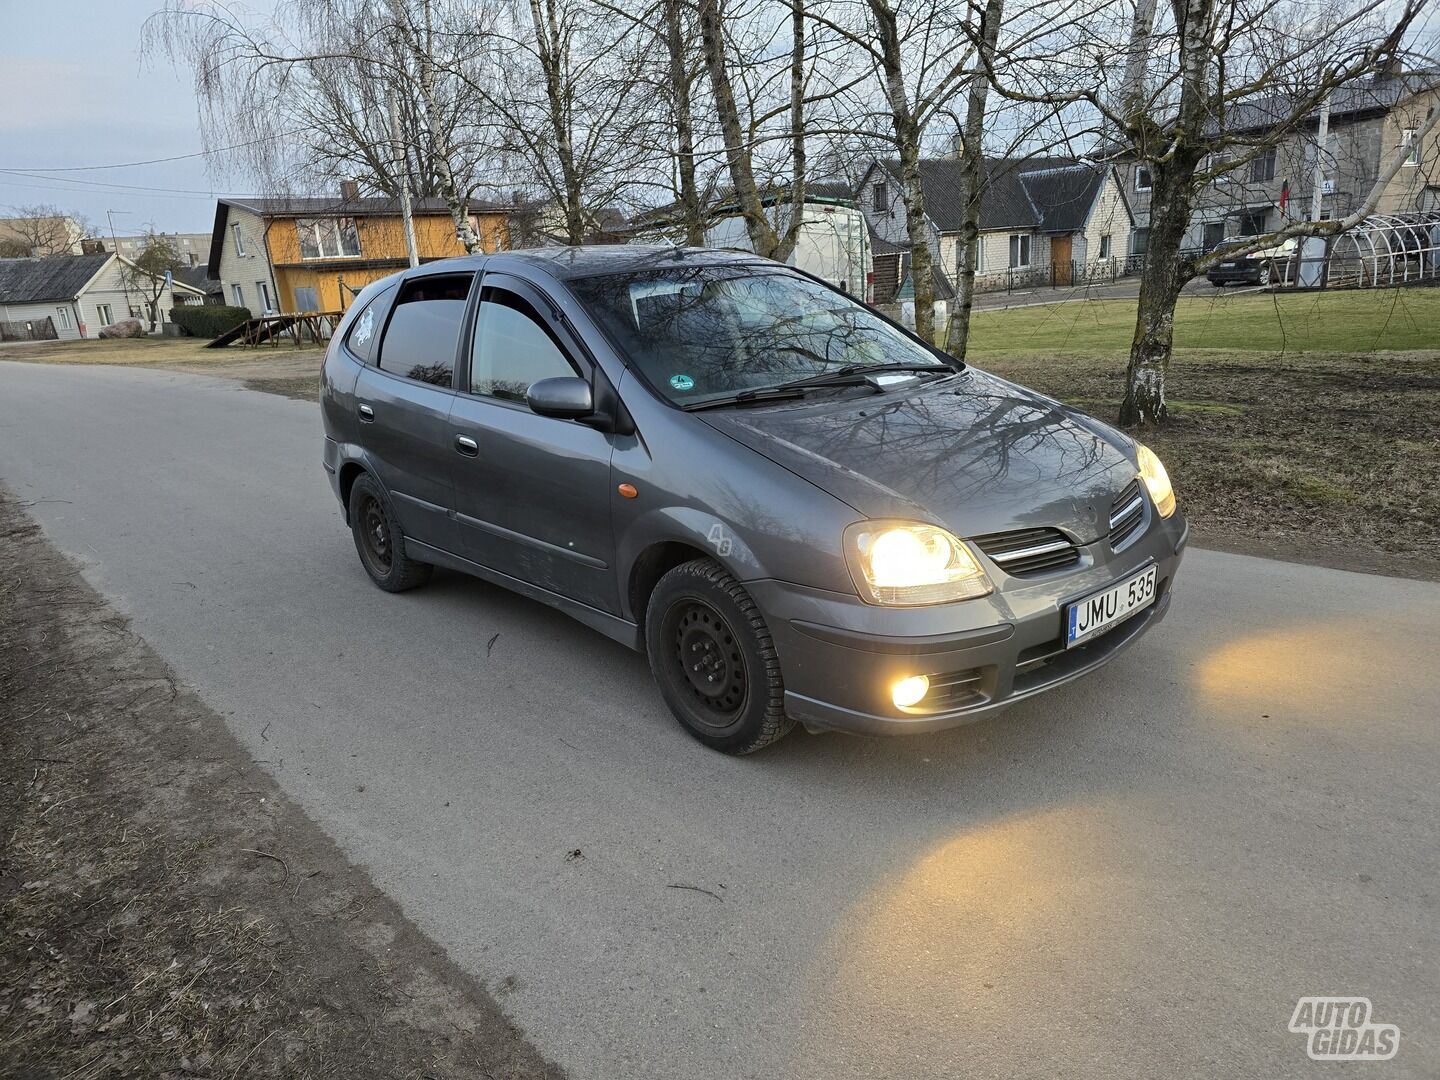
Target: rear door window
[365, 330]
[424, 328]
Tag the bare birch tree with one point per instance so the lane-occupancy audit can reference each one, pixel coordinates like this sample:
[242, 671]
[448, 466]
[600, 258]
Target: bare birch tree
[1208, 87]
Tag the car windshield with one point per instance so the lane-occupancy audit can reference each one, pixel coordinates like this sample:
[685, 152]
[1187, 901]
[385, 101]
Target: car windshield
[707, 333]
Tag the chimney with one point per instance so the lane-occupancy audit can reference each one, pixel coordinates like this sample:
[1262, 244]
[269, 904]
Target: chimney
[349, 190]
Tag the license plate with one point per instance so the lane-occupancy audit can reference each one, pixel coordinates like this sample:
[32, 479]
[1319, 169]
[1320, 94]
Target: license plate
[1106, 609]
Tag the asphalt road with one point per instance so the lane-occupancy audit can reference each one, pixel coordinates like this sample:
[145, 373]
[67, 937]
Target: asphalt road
[1137, 875]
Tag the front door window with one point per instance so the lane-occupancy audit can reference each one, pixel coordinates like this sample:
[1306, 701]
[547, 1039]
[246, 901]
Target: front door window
[511, 350]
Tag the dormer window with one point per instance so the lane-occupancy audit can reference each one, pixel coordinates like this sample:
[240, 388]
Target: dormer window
[328, 238]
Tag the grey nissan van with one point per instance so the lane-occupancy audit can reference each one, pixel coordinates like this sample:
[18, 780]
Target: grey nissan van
[797, 509]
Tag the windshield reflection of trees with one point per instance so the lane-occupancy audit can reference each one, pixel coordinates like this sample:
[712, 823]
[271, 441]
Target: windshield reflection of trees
[729, 329]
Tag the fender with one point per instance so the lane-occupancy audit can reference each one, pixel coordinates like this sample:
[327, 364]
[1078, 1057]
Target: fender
[700, 529]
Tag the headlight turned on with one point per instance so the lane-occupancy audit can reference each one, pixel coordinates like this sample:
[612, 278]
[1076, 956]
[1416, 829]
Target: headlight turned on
[912, 564]
[1157, 480]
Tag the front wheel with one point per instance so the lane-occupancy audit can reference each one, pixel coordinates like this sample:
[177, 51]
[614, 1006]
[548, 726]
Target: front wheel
[712, 656]
[1264, 278]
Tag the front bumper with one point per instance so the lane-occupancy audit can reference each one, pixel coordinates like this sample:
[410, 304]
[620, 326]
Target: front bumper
[840, 656]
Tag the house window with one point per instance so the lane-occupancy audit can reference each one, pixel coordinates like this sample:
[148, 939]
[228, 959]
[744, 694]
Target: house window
[1212, 235]
[239, 240]
[328, 238]
[1142, 178]
[880, 196]
[237, 295]
[1221, 162]
[1262, 168]
[1139, 241]
[1019, 250]
[62, 317]
[1252, 223]
[102, 314]
[1105, 246]
[1408, 139]
[306, 298]
[262, 289]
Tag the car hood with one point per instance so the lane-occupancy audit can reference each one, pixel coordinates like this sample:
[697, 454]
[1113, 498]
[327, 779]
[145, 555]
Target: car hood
[972, 452]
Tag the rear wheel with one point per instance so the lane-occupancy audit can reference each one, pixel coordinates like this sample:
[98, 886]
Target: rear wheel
[379, 540]
[714, 661]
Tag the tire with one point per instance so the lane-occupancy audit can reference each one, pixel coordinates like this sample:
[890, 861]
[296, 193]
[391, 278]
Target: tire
[1263, 278]
[731, 698]
[379, 540]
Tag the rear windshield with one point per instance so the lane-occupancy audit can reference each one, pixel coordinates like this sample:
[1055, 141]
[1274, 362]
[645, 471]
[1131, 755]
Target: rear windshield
[708, 332]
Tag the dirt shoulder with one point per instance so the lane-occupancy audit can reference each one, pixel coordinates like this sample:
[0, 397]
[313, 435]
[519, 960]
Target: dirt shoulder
[167, 911]
[283, 369]
[1325, 458]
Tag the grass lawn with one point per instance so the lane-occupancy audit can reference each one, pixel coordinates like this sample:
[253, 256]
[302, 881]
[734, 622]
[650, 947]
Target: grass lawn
[1302, 426]
[1390, 319]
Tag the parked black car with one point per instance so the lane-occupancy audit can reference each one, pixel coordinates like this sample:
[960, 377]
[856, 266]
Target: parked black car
[798, 509]
[1262, 267]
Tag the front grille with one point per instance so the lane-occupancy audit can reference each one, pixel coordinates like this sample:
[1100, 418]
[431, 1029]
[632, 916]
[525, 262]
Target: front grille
[1029, 551]
[1126, 513]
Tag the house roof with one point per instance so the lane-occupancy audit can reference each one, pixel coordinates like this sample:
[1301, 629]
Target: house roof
[1051, 194]
[56, 277]
[198, 277]
[1363, 98]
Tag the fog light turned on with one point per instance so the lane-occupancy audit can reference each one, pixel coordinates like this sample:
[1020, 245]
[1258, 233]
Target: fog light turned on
[909, 692]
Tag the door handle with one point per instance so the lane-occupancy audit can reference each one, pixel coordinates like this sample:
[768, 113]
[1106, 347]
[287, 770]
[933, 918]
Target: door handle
[467, 446]
[367, 414]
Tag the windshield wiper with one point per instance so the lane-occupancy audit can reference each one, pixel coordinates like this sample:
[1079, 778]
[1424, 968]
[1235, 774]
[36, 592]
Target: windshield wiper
[742, 397]
[855, 374]
[849, 375]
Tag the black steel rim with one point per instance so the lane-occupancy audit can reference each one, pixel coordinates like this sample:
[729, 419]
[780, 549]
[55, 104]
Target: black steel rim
[375, 534]
[712, 666]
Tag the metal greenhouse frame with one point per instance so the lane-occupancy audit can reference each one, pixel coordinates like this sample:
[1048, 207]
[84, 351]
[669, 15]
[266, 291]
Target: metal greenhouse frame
[1385, 250]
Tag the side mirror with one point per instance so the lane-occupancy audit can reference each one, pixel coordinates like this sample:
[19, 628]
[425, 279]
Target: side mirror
[565, 398]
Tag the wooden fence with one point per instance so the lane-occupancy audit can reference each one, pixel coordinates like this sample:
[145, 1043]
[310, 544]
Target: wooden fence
[29, 330]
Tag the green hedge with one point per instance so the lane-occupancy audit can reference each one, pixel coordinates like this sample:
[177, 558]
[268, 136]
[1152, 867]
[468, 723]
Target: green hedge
[207, 320]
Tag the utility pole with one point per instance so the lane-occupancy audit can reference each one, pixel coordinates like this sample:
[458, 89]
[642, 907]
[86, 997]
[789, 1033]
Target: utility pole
[1312, 248]
[115, 250]
[403, 173]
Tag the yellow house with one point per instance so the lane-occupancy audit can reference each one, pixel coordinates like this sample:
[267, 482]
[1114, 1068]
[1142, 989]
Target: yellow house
[314, 254]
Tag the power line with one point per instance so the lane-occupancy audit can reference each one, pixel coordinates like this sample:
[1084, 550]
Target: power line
[113, 187]
[161, 160]
[104, 191]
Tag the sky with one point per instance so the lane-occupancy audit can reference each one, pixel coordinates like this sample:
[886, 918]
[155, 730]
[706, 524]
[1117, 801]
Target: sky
[75, 92]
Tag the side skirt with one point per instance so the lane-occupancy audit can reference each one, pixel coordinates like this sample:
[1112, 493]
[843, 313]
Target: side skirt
[612, 626]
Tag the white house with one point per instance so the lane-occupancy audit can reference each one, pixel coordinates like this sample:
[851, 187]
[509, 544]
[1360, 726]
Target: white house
[82, 293]
[832, 242]
[1054, 218]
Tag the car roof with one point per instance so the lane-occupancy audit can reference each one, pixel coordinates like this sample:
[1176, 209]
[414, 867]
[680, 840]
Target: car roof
[579, 262]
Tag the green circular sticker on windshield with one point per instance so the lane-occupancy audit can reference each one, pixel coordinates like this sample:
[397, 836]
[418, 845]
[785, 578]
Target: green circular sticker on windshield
[682, 382]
